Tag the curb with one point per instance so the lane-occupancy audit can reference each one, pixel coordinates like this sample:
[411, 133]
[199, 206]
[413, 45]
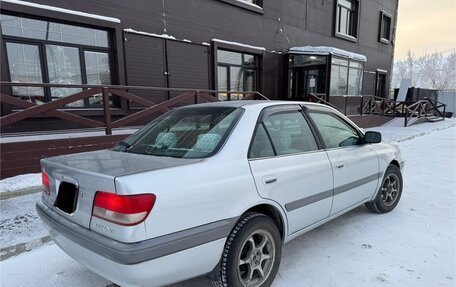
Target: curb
[24, 191]
[20, 248]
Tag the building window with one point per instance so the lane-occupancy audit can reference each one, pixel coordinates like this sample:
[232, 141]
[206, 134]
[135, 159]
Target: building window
[347, 19]
[346, 77]
[385, 27]
[41, 51]
[236, 72]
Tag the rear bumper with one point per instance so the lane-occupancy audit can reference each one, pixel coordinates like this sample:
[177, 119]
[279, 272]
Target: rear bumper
[148, 262]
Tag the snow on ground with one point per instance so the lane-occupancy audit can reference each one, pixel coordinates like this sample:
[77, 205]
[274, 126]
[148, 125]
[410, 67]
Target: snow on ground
[394, 130]
[19, 222]
[412, 246]
[20, 182]
[47, 266]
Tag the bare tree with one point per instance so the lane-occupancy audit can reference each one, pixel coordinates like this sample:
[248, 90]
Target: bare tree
[431, 71]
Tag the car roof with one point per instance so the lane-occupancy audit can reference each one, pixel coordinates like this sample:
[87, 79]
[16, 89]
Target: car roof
[262, 103]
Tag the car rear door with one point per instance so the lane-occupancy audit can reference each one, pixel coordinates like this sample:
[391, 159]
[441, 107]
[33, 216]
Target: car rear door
[290, 167]
[355, 165]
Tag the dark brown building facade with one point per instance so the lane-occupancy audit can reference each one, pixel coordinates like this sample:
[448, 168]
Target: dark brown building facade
[283, 49]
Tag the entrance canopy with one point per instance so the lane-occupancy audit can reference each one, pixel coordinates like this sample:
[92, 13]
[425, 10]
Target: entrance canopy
[323, 50]
[324, 70]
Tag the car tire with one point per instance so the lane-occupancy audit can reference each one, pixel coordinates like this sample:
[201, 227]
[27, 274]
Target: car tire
[252, 253]
[389, 193]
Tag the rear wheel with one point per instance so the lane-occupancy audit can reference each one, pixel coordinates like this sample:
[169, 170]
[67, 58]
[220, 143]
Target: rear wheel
[390, 191]
[252, 253]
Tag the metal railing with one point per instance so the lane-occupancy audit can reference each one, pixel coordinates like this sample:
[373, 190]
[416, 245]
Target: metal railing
[57, 109]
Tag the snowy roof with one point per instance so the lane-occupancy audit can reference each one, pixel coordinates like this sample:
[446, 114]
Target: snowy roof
[62, 10]
[164, 36]
[250, 3]
[239, 44]
[323, 50]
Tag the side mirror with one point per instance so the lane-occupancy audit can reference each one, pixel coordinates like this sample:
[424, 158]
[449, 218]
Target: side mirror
[372, 137]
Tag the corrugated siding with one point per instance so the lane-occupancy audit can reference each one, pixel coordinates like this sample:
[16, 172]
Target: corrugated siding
[188, 65]
[145, 65]
[449, 99]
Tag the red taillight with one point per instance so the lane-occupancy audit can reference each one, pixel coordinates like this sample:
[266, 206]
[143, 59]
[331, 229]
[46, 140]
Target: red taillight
[123, 209]
[45, 186]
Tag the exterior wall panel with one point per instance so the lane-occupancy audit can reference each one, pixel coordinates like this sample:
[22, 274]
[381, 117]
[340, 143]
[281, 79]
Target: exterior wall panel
[188, 65]
[145, 65]
[283, 24]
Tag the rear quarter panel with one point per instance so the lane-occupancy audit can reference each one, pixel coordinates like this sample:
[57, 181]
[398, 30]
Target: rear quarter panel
[217, 188]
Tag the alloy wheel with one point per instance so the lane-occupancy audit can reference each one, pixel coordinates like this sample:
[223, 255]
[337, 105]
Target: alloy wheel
[390, 189]
[256, 258]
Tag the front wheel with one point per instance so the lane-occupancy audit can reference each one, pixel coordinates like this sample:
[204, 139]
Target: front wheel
[252, 253]
[390, 191]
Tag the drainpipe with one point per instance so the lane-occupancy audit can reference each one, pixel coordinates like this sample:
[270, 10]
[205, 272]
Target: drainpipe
[393, 44]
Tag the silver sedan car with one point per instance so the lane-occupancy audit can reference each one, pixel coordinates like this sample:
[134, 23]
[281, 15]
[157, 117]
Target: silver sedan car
[214, 189]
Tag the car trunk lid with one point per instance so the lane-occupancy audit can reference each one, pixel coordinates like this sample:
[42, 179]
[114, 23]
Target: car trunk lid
[74, 179]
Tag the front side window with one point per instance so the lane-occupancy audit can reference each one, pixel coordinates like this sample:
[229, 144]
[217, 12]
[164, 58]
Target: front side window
[41, 51]
[335, 132]
[283, 133]
[347, 19]
[385, 27]
[236, 72]
[184, 133]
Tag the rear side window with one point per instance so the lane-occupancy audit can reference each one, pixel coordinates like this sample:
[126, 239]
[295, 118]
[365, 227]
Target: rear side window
[283, 133]
[195, 132]
[261, 145]
[334, 131]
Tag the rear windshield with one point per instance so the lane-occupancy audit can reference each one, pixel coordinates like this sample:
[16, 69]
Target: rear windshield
[195, 132]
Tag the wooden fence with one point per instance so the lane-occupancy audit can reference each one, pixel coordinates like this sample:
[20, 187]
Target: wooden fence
[57, 107]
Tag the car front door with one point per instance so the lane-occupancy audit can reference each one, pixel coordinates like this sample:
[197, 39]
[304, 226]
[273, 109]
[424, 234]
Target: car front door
[355, 165]
[289, 166]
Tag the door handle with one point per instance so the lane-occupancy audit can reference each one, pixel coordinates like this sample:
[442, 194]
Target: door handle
[269, 179]
[341, 165]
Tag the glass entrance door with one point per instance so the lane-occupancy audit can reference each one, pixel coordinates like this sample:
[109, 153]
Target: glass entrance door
[307, 80]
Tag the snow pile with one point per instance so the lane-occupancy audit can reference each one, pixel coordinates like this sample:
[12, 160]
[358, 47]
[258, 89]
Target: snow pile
[20, 182]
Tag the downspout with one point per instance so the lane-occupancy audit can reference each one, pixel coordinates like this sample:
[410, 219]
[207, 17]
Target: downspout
[393, 44]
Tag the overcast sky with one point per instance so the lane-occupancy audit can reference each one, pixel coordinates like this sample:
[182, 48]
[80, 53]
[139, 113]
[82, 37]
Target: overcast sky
[425, 25]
